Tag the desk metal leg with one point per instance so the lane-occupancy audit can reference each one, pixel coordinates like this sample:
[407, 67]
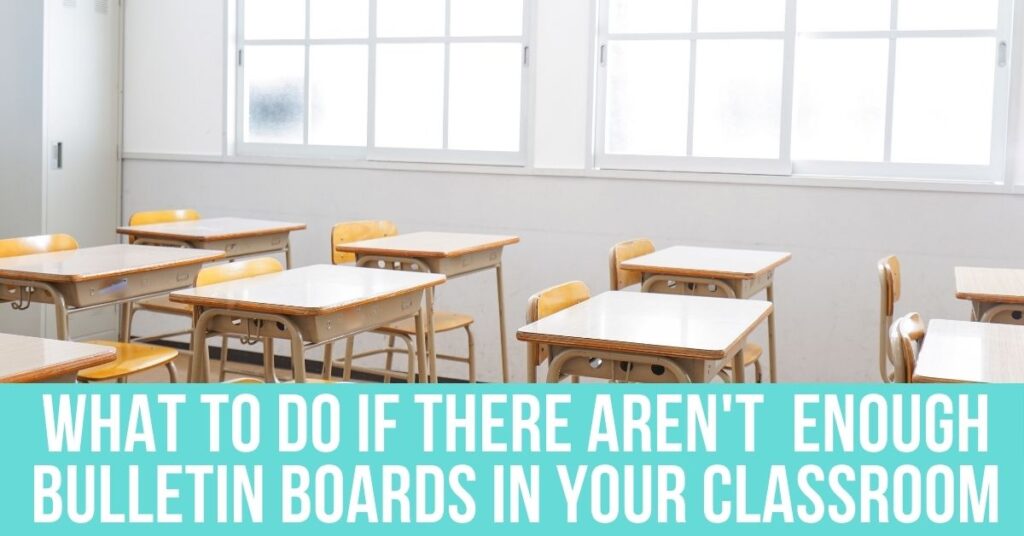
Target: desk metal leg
[501, 324]
[421, 349]
[125, 322]
[288, 254]
[431, 338]
[199, 370]
[774, 377]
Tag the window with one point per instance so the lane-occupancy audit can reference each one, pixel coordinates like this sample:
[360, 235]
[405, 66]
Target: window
[876, 88]
[412, 80]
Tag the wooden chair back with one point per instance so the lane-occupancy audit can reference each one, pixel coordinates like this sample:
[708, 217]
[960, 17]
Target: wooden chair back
[31, 245]
[233, 271]
[547, 303]
[355, 231]
[154, 217]
[890, 283]
[622, 252]
[906, 336]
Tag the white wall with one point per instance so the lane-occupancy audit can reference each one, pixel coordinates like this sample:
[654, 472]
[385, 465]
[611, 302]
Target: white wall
[827, 296]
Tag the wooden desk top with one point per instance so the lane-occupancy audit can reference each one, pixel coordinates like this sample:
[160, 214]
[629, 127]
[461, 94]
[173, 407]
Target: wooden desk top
[428, 245]
[712, 263]
[990, 285]
[971, 352]
[88, 264]
[652, 324]
[210, 230]
[309, 291]
[28, 359]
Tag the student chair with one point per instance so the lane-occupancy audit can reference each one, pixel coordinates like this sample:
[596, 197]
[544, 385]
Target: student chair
[544, 304]
[623, 279]
[163, 304]
[234, 271]
[905, 338]
[890, 282]
[405, 330]
[131, 358]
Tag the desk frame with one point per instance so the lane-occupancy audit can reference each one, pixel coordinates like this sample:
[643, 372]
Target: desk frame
[451, 267]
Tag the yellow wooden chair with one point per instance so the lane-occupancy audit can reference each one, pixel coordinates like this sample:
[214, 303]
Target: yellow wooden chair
[546, 303]
[234, 271]
[890, 283]
[405, 330]
[131, 358]
[623, 279]
[163, 304]
[905, 339]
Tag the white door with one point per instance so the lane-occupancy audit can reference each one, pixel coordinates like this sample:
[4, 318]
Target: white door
[81, 107]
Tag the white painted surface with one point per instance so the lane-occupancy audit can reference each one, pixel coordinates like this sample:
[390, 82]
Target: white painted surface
[174, 72]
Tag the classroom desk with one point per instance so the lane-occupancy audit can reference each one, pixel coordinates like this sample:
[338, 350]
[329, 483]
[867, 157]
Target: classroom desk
[451, 254]
[992, 292]
[682, 337]
[310, 307]
[88, 278]
[31, 360]
[732, 273]
[971, 352]
[236, 237]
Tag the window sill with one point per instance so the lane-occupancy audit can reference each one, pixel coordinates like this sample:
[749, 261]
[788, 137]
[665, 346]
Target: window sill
[808, 181]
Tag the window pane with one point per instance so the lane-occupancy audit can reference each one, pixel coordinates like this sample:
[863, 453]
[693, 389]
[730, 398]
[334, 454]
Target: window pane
[337, 94]
[738, 99]
[410, 95]
[647, 97]
[487, 17]
[339, 19]
[943, 104]
[741, 15]
[948, 14]
[410, 18]
[274, 80]
[275, 19]
[649, 16]
[841, 15]
[840, 99]
[484, 95]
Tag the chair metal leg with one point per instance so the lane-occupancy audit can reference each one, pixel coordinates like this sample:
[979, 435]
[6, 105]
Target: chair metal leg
[328, 361]
[350, 345]
[758, 375]
[172, 371]
[388, 359]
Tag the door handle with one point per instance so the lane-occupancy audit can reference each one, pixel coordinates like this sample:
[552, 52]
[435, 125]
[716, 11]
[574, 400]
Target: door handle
[58, 155]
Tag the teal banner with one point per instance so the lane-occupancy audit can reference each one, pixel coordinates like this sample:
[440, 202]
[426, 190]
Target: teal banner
[594, 459]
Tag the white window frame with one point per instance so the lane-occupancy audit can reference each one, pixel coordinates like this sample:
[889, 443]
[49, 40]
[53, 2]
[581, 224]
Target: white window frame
[994, 172]
[752, 166]
[386, 154]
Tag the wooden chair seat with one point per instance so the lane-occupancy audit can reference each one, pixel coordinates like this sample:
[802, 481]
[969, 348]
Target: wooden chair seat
[751, 353]
[442, 322]
[132, 358]
[164, 305]
[244, 381]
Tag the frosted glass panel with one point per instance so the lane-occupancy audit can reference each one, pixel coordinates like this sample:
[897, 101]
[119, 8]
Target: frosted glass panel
[948, 14]
[843, 15]
[738, 99]
[647, 97]
[410, 18]
[840, 99]
[275, 19]
[649, 16]
[487, 17]
[943, 104]
[484, 97]
[410, 95]
[741, 15]
[274, 85]
[338, 94]
[339, 19]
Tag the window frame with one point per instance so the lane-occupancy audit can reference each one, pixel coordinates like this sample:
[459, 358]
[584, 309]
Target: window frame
[702, 164]
[787, 166]
[370, 152]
